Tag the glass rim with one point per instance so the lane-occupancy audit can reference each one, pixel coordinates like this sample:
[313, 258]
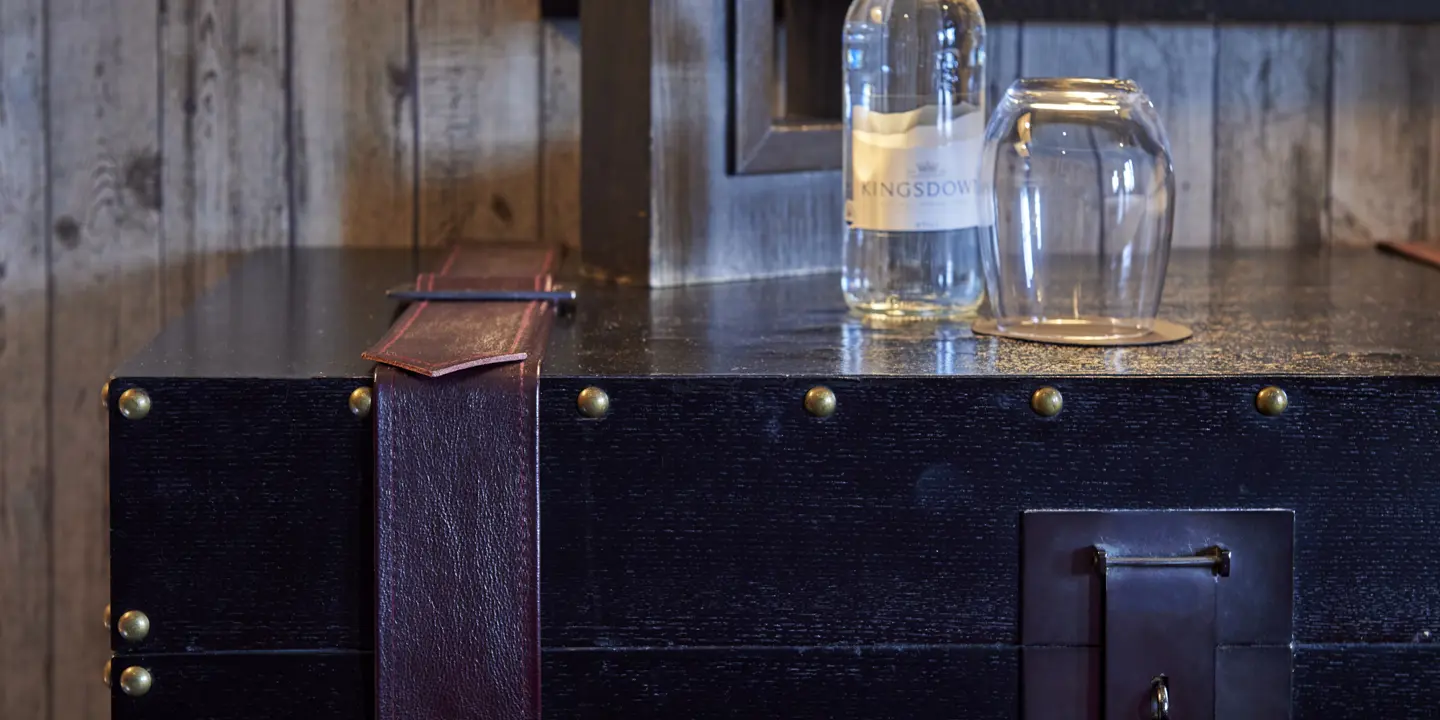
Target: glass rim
[1063, 84]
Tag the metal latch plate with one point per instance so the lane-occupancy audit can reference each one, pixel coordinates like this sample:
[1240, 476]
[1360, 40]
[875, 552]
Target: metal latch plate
[1097, 636]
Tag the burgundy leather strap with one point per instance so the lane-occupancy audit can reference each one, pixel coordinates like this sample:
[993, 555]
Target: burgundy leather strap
[1427, 254]
[436, 338]
[457, 545]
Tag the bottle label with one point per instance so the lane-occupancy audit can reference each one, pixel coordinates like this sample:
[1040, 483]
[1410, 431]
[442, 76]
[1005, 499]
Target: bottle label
[910, 173]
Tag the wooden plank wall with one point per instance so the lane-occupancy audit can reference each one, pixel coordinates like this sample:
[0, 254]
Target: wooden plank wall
[145, 144]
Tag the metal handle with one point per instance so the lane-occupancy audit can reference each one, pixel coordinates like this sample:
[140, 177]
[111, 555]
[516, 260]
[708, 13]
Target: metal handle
[1217, 559]
[1160, 698]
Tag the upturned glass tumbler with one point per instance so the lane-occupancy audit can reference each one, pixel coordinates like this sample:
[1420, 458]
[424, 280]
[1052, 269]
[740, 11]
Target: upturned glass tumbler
[1078, 185]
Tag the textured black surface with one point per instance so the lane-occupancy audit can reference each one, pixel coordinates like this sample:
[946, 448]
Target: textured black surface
[284, 314]
[742, 683]
[248, 686]
[839, 683]
[242, 515]
[1366, 682]
[1341, 312]
[710, 550]
[717, 512]
[1035, 10]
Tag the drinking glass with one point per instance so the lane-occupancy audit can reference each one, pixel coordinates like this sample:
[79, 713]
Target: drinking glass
[1079, 189]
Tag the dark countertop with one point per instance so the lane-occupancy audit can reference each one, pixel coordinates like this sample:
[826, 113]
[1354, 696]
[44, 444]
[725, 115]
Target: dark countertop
[283, 313]
[309, 313]
[1339, 312]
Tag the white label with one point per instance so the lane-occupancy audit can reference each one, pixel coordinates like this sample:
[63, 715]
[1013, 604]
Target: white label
[909, 172]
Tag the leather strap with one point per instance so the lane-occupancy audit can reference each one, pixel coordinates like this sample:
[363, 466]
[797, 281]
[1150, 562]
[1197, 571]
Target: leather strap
[436, 338]
[457, 544]
[1426, 254]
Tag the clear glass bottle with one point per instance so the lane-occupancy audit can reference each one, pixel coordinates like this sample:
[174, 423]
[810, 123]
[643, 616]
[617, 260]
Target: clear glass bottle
[914, 133]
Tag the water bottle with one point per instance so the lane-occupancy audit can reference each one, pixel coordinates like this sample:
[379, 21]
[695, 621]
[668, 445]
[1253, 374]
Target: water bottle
[914, 132]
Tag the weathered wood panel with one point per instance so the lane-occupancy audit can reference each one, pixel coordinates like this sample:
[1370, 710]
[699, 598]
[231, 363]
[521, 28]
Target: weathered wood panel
[25, 493]
[353, 124]
[560, 153]
[708, 224]
[1382, 109]
[1002, 61]
[1067, 50]
[1175, 66]
[223, 138]
[479, 118]
[105, 258]
[1271, 135]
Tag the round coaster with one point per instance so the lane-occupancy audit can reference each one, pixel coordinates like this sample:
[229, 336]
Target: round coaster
[1163, 332]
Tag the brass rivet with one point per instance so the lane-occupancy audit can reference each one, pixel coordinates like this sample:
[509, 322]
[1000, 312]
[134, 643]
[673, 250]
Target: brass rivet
[1272, 401]
[1047, 402]
[360, 401]
[135, 681]
[134, 404]
[133, 626]
[107, 673]
[820, 401]
[105, 395]
[107, 616]
[593, 402]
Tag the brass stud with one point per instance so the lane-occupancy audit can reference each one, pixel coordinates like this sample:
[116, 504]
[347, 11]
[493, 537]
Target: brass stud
[134, 404]
[135, 681]
[820, 401]
[1272, 401]
[361, 400]
[107, 616]
[1047, 402]
[107, 673]
[593, 402]
[133, 626]
[105, 394]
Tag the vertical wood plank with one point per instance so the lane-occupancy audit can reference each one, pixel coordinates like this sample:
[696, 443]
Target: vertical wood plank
[223, 138]
[479, 118]
[1066, 50]
[353, 123]
[1002, 61]
[560, 155]
[1271, 135]
[706, 223]
[1382, 110]
[105, 252]
[1175, 66]
[24, 490]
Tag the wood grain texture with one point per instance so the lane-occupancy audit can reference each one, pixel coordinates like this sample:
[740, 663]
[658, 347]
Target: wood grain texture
[284, 534]
[560, 152]
[353, 124]
[753, 226]
[1002, 61]
[1175, 66]
[251, 686]
[25, 492]
[479, 118]
[1271, 136]
[784, 529]
[1383, 108]
[818, 682]
[224, 150]
[616, 215]
[1333, 682]
[1067, 50]
[105, 253]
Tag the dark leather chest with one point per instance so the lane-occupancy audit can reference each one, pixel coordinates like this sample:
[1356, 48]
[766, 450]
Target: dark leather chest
[715, 546]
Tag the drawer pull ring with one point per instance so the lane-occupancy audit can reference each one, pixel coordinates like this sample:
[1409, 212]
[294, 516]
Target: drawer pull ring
[1215, 558]
[1160, 699]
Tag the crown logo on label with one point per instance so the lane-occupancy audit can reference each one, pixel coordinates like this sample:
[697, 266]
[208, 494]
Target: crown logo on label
[927, 166]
